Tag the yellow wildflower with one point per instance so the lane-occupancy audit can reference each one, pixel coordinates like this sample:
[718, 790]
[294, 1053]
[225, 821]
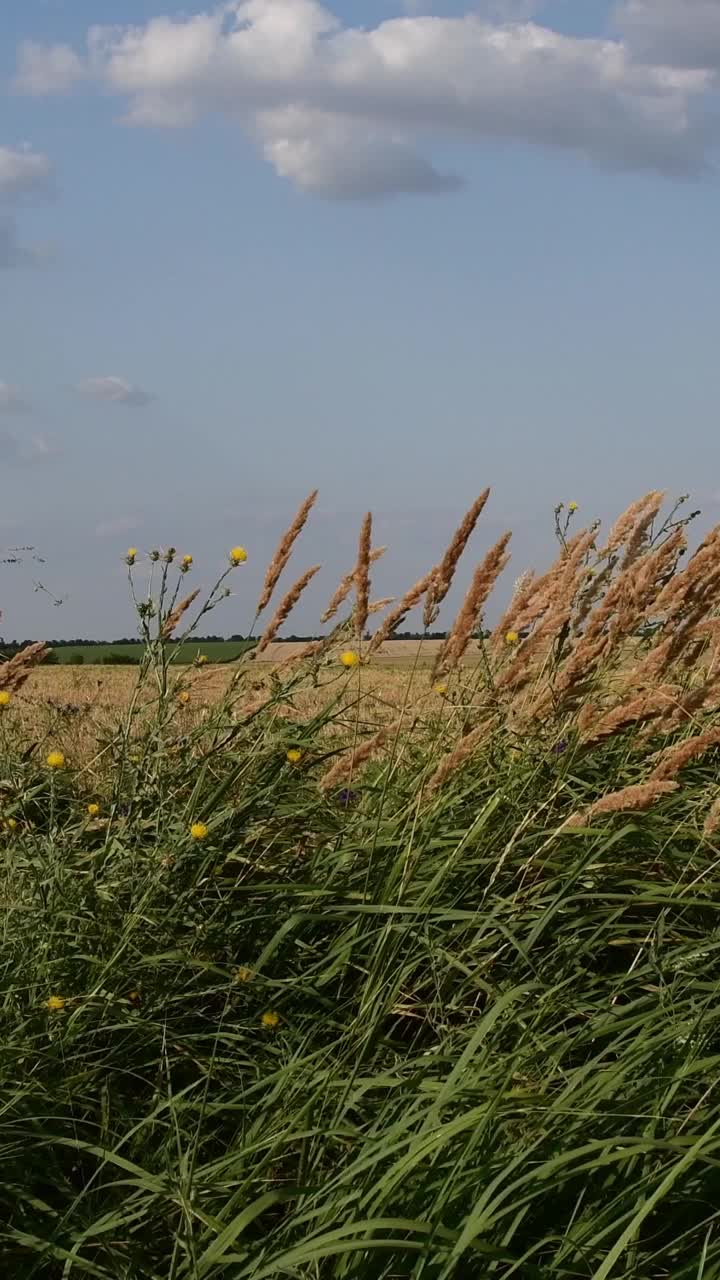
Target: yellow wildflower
[350, 658]
[134, 997]
[243, 974]
[186, 562]
[294, 755]
[238, 555]
[11, 824]
[55, 760]
[93, 810]
[183, 697]
[512, 637]
[572, 506]
[198, 831]
[131, 555]
[201, 660]
[5, 697]
[441, 688]
[270, 1019]
[55, 1003]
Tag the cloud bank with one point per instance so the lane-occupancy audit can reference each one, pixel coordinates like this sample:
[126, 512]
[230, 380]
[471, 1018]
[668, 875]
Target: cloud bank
[352, 112]
[114, 390]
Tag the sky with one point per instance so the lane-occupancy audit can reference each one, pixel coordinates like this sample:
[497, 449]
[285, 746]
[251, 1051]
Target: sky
[395, 251]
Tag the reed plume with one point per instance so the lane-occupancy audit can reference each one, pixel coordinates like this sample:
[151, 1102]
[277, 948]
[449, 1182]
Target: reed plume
[712, 821]
[16, 670]
[397, 615]
[444, 572]
[284, 550]
[628, 799]
[627, 521]
[174, 617]
[347, 765]
[673, 759]
[451, 762]
[466, 622]
[361, 578]
[286, 606]
[345, 586]
[646, 707]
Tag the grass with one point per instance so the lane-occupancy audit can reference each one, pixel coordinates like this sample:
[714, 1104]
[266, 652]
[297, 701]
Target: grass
[254, 1026]
[97, 654]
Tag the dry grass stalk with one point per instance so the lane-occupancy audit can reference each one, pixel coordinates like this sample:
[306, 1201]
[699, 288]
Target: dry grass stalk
[444, 572]
[393, 620]
[639, 531]
[646, 707]
[627, 521]
[712, 821]
[284, 549]
[174, 617]
[377, 606]
[16, 670]
[533, 652]
[555, 587]
[675, 758]
[347, 765]
[627, 800]
[466, 622]
[523, 591]
[361, 577]
[345, 586]
[457, 757]
[286, 606]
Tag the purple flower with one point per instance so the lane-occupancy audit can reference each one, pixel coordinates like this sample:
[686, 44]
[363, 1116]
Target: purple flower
[347, 797]
[560, 748]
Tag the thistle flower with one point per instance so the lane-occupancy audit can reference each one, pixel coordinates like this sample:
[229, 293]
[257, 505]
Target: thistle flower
[199, 831]
[130, 555]
[201, 660]
[572, 506]
[350, 658]
[183, 697]
[238, 555]
[93, 810]
[55, 1003]
[186, 564]
[270, 1019]
[512, 637]
[294, 755]
[55, 760]
[5, 698]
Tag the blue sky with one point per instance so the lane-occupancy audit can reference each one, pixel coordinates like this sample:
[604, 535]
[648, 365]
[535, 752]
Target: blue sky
[398, 260]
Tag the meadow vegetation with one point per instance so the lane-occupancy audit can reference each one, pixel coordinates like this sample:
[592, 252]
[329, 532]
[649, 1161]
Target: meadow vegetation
[320, 971]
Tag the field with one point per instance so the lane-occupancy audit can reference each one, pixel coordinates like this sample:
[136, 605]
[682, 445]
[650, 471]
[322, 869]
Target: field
[101, 654]
[356, 962]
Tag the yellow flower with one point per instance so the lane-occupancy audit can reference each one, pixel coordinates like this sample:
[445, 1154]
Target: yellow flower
[350, 658]
[93, 810]
[55, 1003]
[130, 555]
[183, 697]
[134, 997]
[294, 756]
[512, 637]
[198, 831]
[238, 555]
[11, 824]
[187, 561]
[270, 1019]
[243, 974]
[55, 760]
[441, 688]
[572, 506]
[201, 660]
[5, 697]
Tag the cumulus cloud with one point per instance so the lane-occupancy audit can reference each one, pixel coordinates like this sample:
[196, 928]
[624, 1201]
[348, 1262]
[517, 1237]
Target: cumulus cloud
[351, 111]
[10, 399]
[115, 390]
[17, 452]
[679, 33]
[23, 172]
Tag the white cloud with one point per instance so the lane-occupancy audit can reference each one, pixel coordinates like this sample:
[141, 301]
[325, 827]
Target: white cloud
[10, 399]
[349, 111]
[118, 525]
[115, 390]
[23, 172]
[680, 33]
[47, 70]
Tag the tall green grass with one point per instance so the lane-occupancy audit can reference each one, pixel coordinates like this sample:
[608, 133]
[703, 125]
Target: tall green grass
[373, 1032]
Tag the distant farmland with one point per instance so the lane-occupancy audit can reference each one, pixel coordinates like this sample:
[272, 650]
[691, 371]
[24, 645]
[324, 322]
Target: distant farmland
[110, 654]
